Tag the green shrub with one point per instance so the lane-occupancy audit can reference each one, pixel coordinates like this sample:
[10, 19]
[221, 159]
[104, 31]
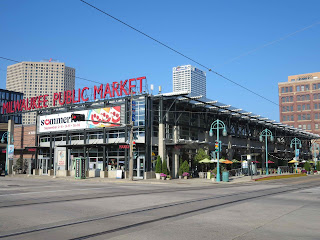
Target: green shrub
[318, 165]
[158, 165]
[307, 166]
[164, 167]
[185, 167]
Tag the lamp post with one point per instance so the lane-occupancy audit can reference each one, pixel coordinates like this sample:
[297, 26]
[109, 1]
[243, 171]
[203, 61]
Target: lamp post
[314, 148]
[218, 125]
[296, 141]
[7, 135]
[266, 133]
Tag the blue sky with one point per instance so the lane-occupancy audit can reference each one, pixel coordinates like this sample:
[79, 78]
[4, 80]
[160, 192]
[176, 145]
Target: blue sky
[211, 32]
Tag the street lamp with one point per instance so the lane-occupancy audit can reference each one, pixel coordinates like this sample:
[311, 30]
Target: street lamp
[6, 135]
[266, 133]
[314, 148]
[218, 125]
[296, 141]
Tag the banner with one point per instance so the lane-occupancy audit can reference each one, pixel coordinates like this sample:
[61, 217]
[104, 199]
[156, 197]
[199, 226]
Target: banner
[94, 118]
[10, 151]
[61, 157]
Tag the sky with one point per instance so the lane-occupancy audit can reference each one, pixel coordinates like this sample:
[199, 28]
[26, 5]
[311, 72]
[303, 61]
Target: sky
[218, 34]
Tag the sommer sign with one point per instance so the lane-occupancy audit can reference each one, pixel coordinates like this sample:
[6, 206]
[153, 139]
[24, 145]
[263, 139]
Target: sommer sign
[116, 89]
[95, 118]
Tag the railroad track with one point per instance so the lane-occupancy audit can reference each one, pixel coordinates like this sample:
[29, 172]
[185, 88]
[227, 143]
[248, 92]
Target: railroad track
[87, 228]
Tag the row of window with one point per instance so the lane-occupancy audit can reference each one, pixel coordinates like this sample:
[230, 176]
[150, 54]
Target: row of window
[300, 88]
[300, 117]
[302, 107]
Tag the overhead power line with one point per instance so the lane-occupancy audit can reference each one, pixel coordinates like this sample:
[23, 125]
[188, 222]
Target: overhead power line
[270, 43]
[180, 53]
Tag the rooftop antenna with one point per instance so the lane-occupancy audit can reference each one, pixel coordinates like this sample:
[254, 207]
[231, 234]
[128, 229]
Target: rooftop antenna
[151, 88]
[159, 89]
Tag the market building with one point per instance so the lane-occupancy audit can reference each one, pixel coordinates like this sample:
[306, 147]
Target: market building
[171, 125]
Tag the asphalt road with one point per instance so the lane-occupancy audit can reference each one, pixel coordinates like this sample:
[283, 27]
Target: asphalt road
[46, 208]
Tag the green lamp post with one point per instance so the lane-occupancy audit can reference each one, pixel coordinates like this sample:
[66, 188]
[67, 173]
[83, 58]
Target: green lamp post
[218, 125]
[314, 148]
[296, 141]
[266, 133]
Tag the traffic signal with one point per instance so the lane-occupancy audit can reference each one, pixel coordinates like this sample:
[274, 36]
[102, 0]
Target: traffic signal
[216, 146]
[77, 117]
[134, 147]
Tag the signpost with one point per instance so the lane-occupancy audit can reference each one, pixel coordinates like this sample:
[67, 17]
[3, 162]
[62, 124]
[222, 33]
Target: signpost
[80, 168]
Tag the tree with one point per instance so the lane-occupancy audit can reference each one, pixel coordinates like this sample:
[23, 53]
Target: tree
[164, 167]
[185, 167]
[158, 165]
[307, 166]
[201, 154]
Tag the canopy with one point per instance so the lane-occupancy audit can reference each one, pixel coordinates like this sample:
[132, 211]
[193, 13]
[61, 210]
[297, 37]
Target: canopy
[255, 161]
[227, 162]
[293, 161]
[269, 161]
[235, 161]
[206, 160]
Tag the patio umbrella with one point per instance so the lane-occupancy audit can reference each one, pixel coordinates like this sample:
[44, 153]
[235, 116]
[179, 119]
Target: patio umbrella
[255, 161]
[206, 160]
[227, 162]
[269, 161]
[293, 161]
[235, 161]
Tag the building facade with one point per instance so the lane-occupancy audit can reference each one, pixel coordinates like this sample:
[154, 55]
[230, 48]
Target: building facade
[173, 126]
[7, 96]
[39, 78]
[299, 100]
[190, 79]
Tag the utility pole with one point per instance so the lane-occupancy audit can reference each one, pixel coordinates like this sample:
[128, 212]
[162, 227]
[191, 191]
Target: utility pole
[131, 141]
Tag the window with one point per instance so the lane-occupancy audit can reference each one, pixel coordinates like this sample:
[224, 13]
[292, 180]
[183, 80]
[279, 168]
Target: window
[309, 126]
[292, 118]
[298, 88]
[308, 116]
[299, 107]
[316, 126]
[299, 117]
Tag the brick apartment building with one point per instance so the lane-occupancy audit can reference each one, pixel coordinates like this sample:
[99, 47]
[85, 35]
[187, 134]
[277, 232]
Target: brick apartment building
[299, 101]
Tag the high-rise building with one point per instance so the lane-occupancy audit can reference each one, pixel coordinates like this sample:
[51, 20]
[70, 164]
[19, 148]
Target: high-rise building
[299, 100]
[190, 79]
[39, 78]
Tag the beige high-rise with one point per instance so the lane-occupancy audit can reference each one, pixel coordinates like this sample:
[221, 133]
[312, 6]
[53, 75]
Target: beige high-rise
[39, 78]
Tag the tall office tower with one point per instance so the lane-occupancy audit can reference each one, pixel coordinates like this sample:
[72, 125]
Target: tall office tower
[39, 78]
[189, 78]
[299, 100]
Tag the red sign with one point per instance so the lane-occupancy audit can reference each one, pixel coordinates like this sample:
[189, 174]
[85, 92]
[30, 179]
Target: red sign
[124, 146]
[116, 89]
[4, 151]
[31, 149]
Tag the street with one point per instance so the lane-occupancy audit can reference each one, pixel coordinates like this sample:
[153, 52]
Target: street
[46, 208]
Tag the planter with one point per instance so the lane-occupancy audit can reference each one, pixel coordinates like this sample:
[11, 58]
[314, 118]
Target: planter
[185, 177]
[168, 178]
[163, 178]
[180, 177]
[158, 176]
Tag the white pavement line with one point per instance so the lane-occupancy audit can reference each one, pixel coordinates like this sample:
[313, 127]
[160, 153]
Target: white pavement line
[81, 189]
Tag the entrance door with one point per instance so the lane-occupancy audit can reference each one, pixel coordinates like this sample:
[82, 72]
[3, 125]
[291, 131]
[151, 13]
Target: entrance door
[43, 166]
[138, 169]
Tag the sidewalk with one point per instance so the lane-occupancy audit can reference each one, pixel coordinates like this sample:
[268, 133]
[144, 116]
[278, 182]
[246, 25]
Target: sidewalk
[181, 182]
